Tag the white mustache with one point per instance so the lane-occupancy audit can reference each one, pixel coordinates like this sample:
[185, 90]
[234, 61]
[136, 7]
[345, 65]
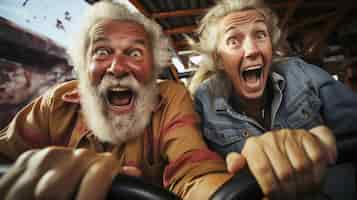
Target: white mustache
[109, 81]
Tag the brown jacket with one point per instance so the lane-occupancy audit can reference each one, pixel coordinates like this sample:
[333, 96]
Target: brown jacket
[170, 152]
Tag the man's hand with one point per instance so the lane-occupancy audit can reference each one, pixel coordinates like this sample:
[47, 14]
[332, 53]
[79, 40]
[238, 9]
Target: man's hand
[61, 173]
[287, 163]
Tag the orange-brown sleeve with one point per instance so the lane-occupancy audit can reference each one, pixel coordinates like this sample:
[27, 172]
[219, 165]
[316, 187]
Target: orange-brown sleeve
[35, 126]
[193, 172]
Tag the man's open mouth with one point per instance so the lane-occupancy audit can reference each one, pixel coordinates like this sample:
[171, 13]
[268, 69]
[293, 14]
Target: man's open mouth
[120, 99]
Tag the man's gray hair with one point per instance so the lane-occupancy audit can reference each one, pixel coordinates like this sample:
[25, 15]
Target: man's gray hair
[209, 33]
[103, 10]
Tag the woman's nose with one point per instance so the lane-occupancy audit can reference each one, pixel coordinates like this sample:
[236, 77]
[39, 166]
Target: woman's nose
[250, 48]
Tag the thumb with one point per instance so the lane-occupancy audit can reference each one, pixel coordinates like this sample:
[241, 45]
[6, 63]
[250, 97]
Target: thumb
[328, 140]
[131, 171]
[235, 162]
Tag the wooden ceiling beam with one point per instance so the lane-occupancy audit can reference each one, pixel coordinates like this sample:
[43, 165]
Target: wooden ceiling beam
[291, 11]
[181, 45]
[313, 20]
[182, 29]
[202, 11]
[140, 7]
[315, 47]
[321, 4]
[180, 13]
[198, 11]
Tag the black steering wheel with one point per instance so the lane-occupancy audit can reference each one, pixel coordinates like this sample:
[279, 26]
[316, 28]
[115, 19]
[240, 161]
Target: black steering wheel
[128, 187]
[241, 186]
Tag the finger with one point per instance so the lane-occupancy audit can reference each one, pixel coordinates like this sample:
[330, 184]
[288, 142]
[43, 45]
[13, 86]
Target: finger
[318, 157]
[327, 138]
[103, 171]
[9, 178]
[235, 162]
[131, 171]
[61, 182]
[36, 166]
[49, 158]
[39, 163]
[299, 161]
[23, 188]
[259, 165]
[282, 169]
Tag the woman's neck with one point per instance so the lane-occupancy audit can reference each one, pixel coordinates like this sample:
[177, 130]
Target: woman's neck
[250, 107]
[259, 109]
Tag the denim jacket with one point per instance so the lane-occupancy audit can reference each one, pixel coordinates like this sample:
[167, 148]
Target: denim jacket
[304, 96]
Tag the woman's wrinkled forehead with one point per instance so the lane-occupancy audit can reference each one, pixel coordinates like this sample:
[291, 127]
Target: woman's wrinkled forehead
[240, 18]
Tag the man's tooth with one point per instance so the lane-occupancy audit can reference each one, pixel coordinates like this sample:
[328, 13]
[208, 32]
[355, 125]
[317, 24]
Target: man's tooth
[118, 89]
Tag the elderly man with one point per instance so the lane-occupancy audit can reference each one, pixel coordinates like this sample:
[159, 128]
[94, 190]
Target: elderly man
[271, 112]
[115, 119]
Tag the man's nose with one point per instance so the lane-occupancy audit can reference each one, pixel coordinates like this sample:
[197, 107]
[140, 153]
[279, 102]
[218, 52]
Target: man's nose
[118, 66]
[251, 49]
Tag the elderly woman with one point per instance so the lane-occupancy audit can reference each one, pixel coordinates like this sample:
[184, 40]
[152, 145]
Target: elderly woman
[270, 111]
[115, 119]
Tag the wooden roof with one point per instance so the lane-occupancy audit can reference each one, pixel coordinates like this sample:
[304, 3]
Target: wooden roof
[322, 31]
[24, 46]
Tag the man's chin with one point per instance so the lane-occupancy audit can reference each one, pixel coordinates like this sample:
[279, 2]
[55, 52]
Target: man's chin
[118, 124]
[127, 126]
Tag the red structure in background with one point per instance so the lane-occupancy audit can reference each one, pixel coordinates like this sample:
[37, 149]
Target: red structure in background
[29, 65]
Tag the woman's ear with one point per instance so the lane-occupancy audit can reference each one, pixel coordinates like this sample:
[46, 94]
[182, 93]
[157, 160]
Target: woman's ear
[217, 60]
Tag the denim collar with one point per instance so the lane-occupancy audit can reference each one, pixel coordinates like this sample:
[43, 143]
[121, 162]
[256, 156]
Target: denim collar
[220, 89]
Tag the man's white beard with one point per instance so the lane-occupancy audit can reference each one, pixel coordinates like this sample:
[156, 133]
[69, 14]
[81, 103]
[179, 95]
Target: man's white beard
[117, 128]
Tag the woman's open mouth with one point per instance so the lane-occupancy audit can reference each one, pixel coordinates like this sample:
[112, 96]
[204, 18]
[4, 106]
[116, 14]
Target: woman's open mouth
[120, 100]
[253, 76]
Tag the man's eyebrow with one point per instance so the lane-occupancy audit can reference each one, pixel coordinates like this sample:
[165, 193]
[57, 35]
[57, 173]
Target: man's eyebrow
[140, 41]
[99, 39]
[103, 39]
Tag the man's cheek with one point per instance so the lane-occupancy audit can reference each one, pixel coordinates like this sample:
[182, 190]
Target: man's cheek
[143, 73]
[95, 74]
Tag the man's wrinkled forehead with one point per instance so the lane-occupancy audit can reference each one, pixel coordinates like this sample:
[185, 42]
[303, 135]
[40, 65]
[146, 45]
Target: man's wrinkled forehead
[98, 31]
[241, 18]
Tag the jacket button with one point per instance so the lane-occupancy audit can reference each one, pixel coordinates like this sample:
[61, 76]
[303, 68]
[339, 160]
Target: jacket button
[305, 114]
[246, 134]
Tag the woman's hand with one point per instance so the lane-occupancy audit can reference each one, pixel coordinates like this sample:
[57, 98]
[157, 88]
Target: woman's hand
[287, 163]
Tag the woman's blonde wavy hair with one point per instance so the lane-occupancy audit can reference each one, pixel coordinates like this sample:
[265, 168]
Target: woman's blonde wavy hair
[115, 11]
[209, 34]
